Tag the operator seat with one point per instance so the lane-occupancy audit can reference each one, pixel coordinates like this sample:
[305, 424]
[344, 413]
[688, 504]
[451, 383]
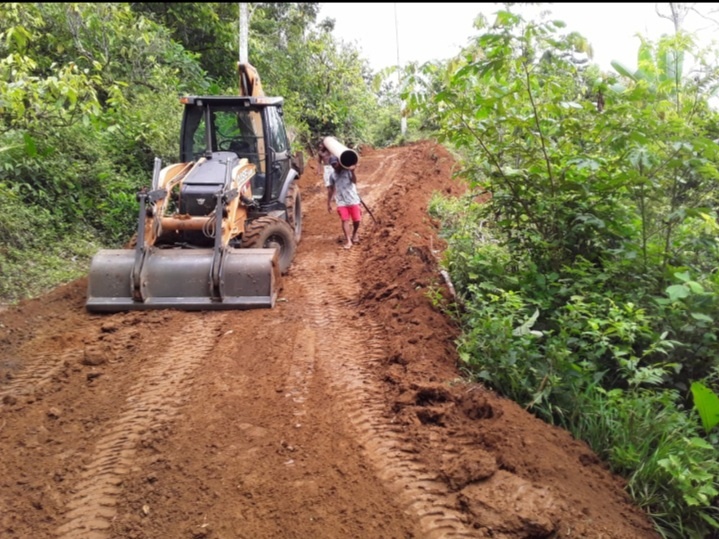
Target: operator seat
[241, 148]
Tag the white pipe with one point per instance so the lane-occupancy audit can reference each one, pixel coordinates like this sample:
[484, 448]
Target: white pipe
[347, 156]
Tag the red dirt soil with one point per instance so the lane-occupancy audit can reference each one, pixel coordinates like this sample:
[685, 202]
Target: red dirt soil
[339, 413]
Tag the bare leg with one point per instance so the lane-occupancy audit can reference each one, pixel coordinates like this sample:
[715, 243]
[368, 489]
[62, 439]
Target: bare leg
[346, 230]
[355, 228]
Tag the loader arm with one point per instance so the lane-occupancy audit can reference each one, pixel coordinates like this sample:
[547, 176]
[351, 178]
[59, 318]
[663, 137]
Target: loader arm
[250, 84]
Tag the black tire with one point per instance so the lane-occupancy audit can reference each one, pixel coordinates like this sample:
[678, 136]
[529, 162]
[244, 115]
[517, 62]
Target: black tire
[293, 202]
[270, 232]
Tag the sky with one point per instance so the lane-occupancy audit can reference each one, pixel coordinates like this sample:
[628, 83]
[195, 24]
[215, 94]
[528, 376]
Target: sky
[386, 32]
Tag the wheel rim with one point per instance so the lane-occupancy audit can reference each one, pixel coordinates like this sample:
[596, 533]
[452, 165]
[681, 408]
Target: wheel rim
[271, 233]
[274, 241]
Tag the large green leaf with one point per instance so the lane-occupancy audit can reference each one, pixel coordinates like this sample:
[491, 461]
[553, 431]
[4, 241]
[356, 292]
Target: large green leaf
[707, 404]
[677, 291]
[623, 70]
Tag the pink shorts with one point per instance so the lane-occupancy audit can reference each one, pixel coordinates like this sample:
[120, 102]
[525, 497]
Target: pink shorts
[350, 211]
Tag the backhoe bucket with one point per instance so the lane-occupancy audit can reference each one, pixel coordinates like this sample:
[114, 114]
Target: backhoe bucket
[183, 279]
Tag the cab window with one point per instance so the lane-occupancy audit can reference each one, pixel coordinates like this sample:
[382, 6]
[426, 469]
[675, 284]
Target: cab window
[277, 135]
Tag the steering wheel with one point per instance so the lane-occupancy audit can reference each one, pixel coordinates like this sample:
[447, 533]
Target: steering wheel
[226, 144]
[234, 145]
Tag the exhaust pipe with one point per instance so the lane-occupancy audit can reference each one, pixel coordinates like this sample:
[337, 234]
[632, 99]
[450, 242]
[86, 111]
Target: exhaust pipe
[346, 156]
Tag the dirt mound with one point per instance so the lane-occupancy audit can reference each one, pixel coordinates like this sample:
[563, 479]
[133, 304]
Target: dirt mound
[340, 413]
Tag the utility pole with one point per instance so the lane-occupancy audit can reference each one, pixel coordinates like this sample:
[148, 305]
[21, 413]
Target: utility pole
[244, 33]
[403, 120]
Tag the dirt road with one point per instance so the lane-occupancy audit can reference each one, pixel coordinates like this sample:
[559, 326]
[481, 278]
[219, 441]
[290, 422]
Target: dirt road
[340, 413]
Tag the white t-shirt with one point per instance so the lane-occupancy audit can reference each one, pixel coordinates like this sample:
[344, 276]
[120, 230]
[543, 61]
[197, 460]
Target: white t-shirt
[345, 191]
[326, 176]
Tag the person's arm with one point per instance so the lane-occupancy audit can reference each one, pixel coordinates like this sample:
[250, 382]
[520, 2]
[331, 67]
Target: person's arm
[330, 194]
[353, 176]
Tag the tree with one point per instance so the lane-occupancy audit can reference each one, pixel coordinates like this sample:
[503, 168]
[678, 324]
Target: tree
[207, 29]
[78, 84]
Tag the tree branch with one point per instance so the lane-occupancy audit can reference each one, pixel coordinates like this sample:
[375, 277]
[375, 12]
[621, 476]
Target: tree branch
[504, 177]
[539, 128]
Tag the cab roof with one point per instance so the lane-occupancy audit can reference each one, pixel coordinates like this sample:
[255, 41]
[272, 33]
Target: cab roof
[230, 100]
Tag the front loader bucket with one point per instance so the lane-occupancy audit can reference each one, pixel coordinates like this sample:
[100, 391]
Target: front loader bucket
[183, 279]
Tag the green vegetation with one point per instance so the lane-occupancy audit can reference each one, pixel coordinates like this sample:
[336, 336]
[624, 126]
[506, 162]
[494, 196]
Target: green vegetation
[76, 131]
[588, 279]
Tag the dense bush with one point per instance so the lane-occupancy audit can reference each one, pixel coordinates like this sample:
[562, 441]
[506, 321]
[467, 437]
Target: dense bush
[588, 279]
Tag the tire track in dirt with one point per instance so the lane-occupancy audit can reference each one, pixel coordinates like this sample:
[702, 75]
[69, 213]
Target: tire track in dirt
[373, 186]
[162, 388]
[356, 344]
[38, 369]
[301, 370]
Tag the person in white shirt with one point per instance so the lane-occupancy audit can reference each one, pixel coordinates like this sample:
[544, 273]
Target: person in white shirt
[343, 188]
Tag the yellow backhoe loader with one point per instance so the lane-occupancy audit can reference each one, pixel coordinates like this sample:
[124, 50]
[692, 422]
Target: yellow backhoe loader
[218, 229]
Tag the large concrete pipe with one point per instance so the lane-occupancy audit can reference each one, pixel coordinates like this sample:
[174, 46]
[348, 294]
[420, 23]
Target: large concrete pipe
[346, 156]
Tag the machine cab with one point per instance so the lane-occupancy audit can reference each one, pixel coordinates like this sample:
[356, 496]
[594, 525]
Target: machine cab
[250, 127]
